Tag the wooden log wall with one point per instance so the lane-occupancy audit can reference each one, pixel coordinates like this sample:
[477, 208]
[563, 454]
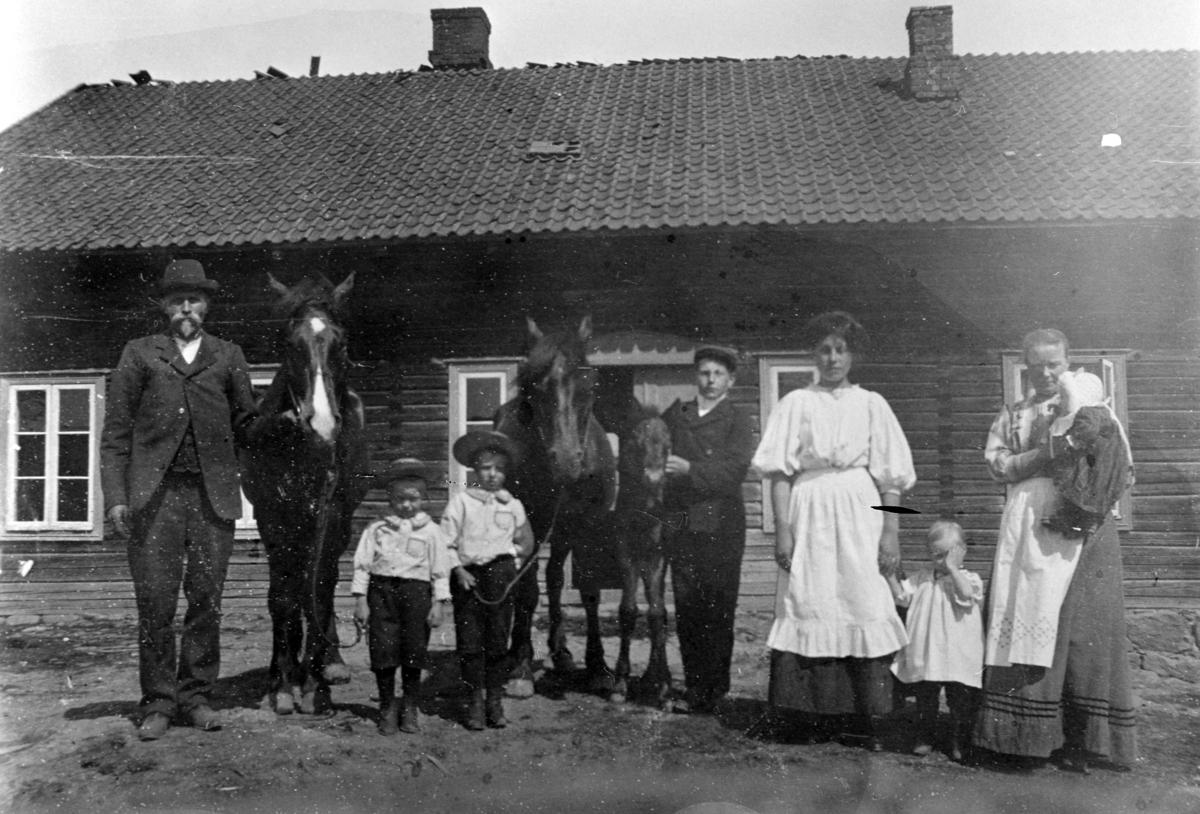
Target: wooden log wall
[945, 409]
[915, 287]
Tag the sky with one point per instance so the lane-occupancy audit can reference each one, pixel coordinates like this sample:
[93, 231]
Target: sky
[48, 47]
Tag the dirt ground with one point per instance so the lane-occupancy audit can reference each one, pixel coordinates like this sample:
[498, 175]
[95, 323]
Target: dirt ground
[68, 700]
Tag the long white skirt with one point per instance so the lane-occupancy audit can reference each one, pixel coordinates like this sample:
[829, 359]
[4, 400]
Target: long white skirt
[1030, 576]
[834, 602]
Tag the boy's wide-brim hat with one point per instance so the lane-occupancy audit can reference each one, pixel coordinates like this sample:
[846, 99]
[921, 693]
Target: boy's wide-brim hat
[186, 275]
[718, 353]
[401, 469]
[470, 445]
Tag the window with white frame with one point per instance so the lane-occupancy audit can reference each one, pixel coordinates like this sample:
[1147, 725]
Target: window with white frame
[1109, 365]
[260, 379]
[778, 375]
[50, 467]
[477, 389]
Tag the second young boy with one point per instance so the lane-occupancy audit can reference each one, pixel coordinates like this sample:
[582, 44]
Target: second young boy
[489, 539]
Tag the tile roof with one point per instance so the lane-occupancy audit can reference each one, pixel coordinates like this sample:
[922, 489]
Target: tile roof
[676, 144]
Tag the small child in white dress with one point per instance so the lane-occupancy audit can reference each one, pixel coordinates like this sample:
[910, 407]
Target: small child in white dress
[945, 639]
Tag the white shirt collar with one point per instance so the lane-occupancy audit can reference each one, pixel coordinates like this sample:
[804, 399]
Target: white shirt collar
[418, 520]
[704, 406]
[188, 348]
[484, 496]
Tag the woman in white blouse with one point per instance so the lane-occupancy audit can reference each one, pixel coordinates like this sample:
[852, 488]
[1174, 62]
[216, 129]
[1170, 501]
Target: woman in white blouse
[834, 453]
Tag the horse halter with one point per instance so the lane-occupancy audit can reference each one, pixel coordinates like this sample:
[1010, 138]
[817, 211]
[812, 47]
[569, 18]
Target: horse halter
[586, 377]
[313, 335]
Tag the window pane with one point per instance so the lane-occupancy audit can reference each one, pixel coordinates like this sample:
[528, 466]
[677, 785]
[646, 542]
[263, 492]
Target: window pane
[790, 380]
[73, 455]
[483, 398]
[31, 411]
[31, 496]
[72, 500]
[31, 455]
[74, 410]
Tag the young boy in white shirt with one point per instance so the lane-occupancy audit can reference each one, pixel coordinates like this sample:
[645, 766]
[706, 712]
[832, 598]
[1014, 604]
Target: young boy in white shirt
[489, 539]
[401, 583]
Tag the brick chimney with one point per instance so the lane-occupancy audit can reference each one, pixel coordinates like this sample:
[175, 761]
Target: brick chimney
[460, 39]
[933, 71]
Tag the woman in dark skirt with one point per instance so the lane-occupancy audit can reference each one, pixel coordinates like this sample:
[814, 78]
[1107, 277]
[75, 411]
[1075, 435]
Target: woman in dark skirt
[1056, 672]
[834, 451]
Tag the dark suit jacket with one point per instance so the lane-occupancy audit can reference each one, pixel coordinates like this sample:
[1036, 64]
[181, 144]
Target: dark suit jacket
[150, 399]
[719, 447]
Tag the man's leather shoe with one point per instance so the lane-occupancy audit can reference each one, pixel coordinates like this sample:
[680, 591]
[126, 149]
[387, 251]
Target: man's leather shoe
[205, 718]
[154, 726]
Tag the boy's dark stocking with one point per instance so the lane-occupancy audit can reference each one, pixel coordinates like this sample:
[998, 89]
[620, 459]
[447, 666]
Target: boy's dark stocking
[389, 708]
[927, 693]
[963, 702]
[410, 716]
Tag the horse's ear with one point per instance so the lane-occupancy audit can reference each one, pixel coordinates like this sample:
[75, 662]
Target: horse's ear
[585, 328]
[534, 330]
[280, 289]
[343, 289]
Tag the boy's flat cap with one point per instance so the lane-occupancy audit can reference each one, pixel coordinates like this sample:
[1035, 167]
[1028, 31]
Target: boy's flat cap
[401, 469]
[718, 353]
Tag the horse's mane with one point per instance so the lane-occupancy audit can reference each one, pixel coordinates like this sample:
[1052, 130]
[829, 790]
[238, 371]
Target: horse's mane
[543, 352]
[311, 293]
[645, 411]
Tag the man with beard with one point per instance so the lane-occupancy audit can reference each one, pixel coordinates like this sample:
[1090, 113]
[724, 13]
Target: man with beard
[177, 403]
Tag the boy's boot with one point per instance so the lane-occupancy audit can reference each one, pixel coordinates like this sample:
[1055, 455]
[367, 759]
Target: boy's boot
[389, 716]
[495, 708]
[476, 718]
[389, 706]
[410, 715]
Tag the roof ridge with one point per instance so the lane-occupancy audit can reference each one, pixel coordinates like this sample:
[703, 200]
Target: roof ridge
[647, 62]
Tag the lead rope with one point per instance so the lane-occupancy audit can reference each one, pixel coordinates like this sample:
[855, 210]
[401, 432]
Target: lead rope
[331, 482]
[532, 562]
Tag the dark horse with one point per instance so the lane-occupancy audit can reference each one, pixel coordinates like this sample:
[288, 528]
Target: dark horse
[567, 482]
[305, 480]
[640, 525]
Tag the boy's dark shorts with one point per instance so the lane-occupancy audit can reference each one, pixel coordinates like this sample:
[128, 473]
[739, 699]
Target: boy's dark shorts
[398, 628]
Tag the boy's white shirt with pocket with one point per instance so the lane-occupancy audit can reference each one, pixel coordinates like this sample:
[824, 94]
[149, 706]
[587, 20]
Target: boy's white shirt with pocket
[481, 526]
[409, 549]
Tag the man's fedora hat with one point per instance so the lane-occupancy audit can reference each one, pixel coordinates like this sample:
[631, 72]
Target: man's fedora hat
[718, 353]
[467, 448]
[186, 275]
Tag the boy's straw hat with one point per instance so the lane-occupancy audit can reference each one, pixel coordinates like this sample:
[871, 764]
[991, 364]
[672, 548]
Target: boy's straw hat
[470, 445]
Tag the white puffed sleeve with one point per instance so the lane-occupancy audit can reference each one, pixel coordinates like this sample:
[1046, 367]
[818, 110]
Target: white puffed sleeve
[778, 452]
[976, 597]
[890, 462]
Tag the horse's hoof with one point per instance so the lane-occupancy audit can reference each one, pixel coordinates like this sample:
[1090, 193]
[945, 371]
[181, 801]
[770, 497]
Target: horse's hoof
[336, 674]
[619, 693]
[316, 702]
[602, 683]
[666, 705]
[283, 702]
[563, 661]
[519, 688]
